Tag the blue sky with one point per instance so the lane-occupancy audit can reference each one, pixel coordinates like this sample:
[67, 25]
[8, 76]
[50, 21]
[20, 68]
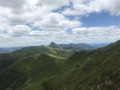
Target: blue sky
[37, 22]
[102, 19]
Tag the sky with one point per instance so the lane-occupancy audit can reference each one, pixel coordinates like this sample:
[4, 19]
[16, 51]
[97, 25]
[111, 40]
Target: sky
[38, 22]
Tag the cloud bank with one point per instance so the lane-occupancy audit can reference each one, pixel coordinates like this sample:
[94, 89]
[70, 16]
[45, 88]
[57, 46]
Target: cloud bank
[34, 22]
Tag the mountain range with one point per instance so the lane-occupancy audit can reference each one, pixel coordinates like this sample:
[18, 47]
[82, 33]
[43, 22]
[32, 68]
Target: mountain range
[55, 68]
[79, 46]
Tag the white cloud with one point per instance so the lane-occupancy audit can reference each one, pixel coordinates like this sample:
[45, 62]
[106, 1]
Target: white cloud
[96, 34]
[55, 21]
[85, 7]
[38, 33]
[15, 15]
[54, 4]
[12, 3]
[79, 35]
[19, 30]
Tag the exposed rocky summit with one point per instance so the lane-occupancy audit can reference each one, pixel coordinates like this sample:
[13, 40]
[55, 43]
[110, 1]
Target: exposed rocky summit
[54, 45]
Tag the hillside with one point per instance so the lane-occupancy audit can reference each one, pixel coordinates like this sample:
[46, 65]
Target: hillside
[45, 69]
[7, 59]
[33, 50]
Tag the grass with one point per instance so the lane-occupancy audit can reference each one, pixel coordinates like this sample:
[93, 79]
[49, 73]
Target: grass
[51, 70]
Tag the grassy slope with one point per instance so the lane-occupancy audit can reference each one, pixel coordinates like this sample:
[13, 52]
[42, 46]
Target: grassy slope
[25, 65]
[82, 71]
[28, 51]
[99, 67]
[27, 70]
[9, 58]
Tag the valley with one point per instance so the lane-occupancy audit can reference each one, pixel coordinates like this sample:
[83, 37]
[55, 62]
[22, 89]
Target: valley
[53, 68]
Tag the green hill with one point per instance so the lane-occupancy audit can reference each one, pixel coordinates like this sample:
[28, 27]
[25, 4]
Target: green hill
[46, 68]
[33, 50]
[7, 59]
[27, 70]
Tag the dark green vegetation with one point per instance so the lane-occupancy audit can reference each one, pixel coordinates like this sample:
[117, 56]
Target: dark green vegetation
[47, 68]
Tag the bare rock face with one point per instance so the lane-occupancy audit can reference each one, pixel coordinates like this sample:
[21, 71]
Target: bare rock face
[54, 45]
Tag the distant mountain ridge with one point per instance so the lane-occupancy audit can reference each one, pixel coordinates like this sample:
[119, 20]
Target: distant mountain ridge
[9, 50]
[3, 50]
[43, 68]
[79, 46]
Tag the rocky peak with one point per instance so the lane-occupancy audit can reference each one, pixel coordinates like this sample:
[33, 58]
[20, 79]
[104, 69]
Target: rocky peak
[54, 45]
